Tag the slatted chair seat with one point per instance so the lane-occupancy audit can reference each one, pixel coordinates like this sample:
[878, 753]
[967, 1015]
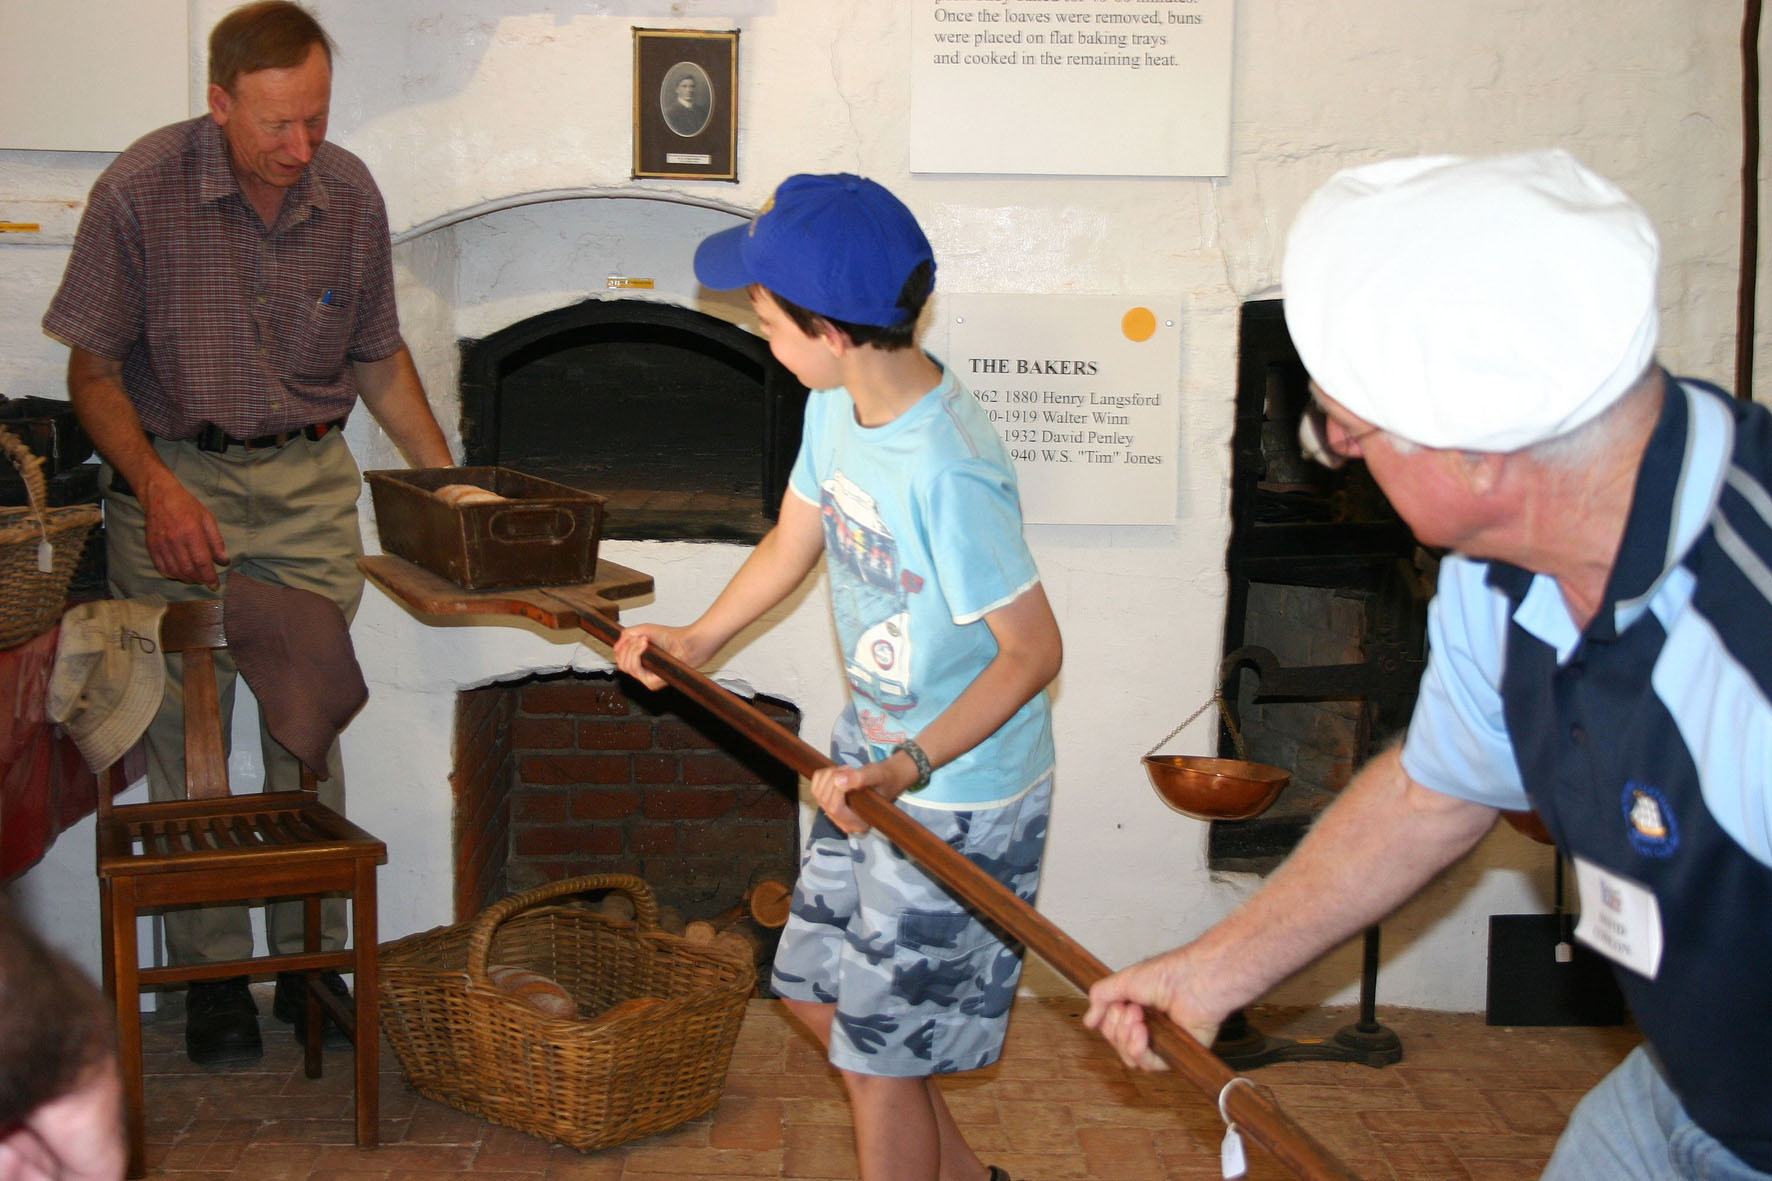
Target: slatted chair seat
[218, 847]
[180, 833]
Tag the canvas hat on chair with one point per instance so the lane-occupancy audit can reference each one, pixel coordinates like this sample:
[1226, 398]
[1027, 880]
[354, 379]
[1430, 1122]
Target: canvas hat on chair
[109, 675]
[293, 647]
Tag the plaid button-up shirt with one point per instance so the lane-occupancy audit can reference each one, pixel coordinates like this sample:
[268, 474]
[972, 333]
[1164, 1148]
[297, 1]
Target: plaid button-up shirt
[215, 317]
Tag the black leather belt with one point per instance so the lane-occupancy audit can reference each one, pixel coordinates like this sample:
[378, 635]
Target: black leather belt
[210, 437]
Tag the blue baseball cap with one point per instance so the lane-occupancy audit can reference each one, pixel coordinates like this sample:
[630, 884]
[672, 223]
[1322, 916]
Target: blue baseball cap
[838, 245]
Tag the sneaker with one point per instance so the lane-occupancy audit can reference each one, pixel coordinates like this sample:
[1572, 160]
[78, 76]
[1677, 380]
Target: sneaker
[221, 1022]
[289, 1005]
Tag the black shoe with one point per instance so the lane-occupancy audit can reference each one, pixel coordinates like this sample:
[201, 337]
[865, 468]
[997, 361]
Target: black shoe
[289, 1005]
[221, 1023]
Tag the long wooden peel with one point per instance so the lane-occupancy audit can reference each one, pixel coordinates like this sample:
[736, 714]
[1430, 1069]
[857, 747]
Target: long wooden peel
[1250, 1107]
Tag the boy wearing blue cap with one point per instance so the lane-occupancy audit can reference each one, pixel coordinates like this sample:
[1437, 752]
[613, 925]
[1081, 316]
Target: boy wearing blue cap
[948, 641]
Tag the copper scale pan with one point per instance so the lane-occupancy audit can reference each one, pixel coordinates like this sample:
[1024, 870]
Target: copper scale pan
[1250, 1107]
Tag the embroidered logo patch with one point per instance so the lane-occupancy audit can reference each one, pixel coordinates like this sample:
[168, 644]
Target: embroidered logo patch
[751, 230]
[1652, 829]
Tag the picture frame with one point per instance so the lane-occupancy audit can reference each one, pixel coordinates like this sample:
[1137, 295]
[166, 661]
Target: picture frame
[686, 104]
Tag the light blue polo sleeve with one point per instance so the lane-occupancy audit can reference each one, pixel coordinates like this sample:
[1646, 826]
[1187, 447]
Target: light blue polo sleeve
[971, 516]
[1458, 742]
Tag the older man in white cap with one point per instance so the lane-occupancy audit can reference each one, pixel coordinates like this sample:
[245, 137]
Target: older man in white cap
[1482, 334]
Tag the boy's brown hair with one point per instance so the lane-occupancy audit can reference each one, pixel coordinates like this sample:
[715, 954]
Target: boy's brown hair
[902, 335]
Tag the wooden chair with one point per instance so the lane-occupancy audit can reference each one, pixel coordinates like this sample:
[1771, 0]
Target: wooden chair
[217, 847]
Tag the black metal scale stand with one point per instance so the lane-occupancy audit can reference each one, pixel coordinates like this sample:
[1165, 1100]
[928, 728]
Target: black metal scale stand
[1392, 670]
[1296, 523]
[1244, 1047]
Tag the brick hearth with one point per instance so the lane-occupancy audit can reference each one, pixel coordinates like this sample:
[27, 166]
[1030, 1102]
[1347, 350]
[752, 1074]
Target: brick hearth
[570, 774]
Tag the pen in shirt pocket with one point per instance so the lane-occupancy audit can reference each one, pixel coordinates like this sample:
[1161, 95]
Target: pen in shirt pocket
[330, 299]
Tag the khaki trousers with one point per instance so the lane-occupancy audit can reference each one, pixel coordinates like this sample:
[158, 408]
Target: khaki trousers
[288, 516]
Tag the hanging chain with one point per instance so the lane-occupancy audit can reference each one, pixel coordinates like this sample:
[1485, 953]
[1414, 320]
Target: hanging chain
[1224, 712]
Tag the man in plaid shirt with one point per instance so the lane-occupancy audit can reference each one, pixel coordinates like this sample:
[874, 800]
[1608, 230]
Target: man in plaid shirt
[228, 299]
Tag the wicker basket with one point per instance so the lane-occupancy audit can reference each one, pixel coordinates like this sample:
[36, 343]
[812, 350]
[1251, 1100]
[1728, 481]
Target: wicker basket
[588, 1082]
[39, 549]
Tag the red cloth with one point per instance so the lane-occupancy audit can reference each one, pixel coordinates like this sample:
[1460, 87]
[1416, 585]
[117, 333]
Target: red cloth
[45, 786]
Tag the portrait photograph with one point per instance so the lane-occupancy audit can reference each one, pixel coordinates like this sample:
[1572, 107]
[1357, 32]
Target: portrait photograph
[685, 104]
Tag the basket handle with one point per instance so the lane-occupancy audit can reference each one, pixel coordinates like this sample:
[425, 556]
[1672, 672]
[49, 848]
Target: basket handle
[494, 916]
[30, 467]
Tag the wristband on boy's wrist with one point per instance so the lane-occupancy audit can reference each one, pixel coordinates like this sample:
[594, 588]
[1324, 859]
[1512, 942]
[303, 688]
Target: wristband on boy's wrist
[924, 769]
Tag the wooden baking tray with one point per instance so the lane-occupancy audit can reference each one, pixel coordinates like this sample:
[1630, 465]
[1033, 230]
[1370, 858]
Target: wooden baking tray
[541, 534]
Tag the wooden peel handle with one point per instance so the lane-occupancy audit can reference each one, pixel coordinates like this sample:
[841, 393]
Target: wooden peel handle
[1251, 1108]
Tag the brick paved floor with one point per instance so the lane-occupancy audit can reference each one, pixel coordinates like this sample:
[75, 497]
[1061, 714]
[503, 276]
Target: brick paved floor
[1468, 1101]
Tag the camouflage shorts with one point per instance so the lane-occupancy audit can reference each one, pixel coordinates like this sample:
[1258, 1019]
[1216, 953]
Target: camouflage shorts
[921, 985]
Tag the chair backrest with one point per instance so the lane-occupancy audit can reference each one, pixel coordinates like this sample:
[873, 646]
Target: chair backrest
[194, 630]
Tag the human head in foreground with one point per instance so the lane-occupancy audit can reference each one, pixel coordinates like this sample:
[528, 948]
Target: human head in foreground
[61, 1101]
[1486, 304]
[838, 248]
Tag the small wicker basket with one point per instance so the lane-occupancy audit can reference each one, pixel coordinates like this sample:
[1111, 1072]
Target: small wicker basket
[588, 1082]
[39, 550]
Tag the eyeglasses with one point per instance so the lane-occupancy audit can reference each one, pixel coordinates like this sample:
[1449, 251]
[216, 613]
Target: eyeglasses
[1313, 437]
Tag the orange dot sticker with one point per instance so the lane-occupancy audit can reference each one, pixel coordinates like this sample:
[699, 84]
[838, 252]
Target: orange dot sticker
[1139, 324]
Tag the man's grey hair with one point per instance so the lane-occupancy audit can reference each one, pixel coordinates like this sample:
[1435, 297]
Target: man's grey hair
[1594, 437]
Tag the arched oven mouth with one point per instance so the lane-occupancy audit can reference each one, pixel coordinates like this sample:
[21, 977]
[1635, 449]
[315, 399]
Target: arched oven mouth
[683, 422]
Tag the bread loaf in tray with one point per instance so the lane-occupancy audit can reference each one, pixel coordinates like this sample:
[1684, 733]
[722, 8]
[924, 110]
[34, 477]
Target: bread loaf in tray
[467, 494]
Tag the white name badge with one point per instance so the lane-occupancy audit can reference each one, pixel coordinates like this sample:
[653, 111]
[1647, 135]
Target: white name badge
[1619, 919]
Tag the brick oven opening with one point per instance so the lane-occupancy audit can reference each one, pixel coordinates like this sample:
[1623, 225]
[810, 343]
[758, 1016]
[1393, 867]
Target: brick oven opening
[561, 775]
[685, 423]
[1325, 575]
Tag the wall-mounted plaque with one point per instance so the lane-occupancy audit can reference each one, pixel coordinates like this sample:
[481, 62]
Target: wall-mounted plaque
[1083, 390]
[1071, 87]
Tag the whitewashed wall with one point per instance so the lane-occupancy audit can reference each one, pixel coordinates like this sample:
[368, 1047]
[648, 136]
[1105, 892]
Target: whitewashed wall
[458, 105]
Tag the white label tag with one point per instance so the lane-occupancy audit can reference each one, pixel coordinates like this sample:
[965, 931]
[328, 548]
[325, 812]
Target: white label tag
[1230, 1154]
[45, 557]
[1619, 919]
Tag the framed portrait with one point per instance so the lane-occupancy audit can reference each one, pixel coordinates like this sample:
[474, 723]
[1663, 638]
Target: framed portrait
[686, 104]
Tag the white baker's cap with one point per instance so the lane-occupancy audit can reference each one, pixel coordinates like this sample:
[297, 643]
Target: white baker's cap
[1483, 304]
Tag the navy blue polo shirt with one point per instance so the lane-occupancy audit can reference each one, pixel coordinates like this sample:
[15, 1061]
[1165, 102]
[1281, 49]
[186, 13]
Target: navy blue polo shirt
[1644, 741]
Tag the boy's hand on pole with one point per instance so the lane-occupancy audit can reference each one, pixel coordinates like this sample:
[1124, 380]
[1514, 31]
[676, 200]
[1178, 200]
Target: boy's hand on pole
[831, 787]
[630, 649]
[632, 645]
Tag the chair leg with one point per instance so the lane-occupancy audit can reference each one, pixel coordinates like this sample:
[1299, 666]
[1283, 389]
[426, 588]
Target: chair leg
[310, 926]
[367, 1034]
[122, 980]
[105, 951]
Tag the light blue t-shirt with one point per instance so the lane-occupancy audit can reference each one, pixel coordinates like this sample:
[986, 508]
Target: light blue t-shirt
[922, 528]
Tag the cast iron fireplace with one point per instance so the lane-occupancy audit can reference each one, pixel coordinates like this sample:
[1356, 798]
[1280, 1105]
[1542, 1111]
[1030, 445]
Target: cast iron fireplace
[1329, 581]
